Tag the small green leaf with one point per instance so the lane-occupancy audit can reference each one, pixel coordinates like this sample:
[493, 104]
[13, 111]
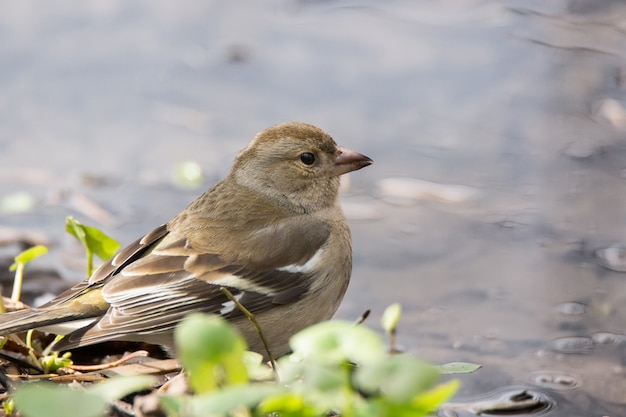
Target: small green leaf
[211, 350]
[423, 404]
[256, 368]
[337, 342]
[390, 317]
[224, 401]
[8, 406]
[434, 397]
[47, 400]
[313, 376]
[52, 363]
[74, 228]
[30, 254]
[458, 368]
[398, 378]
[94, 240]
[284, 404]
[206, 337]
[18, 267]
[119, 387]
[173, 405]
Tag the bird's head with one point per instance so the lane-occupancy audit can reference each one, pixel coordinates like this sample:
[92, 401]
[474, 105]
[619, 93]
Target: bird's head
[296, 163]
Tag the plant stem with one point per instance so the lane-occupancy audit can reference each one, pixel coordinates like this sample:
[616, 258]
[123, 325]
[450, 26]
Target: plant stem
[252, 318]
[392, 341]
[89, 262]
[17, 282]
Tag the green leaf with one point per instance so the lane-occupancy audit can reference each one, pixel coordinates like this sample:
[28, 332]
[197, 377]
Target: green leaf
[285, 404]
[8, 406]
[256, 368]
[47, 400]
[121, 386]
[43, 399]
[31, 253]
[92, 239]
[398, 378]
[423, 404]
[211, 351]
[28, 255]
[337, 342]
[458, 368]
[173, 405]
[322, 386]
[223, 401]
[390, 317]
[18, 266]
[433, 398]
[313, 376]
[52, 363]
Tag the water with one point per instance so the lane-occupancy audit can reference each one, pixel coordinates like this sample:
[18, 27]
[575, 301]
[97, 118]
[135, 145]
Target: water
[504, 244]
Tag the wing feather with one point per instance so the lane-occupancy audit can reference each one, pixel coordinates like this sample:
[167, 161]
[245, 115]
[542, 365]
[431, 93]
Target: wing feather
[156, 281]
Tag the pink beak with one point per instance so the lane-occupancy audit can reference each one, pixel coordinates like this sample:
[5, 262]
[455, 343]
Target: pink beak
[347, 161]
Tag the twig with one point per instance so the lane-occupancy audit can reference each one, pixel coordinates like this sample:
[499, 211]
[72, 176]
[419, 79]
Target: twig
[100, 367]
[363, 317]
[19, 362]
[122, 409]
[6, 382]
[252, 318]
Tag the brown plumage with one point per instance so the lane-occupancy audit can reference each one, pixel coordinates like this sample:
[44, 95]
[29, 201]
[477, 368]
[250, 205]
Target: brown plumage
[272, 232]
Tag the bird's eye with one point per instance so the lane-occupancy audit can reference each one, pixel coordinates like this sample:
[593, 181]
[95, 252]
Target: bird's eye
[307, 158]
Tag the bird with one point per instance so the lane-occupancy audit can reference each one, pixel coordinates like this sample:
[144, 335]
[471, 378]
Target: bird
[272, 232]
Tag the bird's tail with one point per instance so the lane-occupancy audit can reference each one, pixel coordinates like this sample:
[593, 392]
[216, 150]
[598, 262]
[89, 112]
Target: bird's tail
[35, 318]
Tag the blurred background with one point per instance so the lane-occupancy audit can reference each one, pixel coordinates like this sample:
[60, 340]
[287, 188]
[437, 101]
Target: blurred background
[495, 212]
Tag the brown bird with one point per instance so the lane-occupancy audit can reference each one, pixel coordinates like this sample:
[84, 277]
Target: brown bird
[272, 232]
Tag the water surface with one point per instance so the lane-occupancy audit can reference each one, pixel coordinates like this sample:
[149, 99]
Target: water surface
[521, 104]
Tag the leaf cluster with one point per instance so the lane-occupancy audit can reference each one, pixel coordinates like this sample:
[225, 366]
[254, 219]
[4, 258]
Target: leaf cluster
[336, 368]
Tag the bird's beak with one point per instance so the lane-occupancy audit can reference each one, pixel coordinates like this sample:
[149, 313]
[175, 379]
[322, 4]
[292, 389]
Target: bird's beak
[347, 161]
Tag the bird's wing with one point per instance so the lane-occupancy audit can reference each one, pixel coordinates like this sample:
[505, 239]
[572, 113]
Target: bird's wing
[107, 270]
[173, 278]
